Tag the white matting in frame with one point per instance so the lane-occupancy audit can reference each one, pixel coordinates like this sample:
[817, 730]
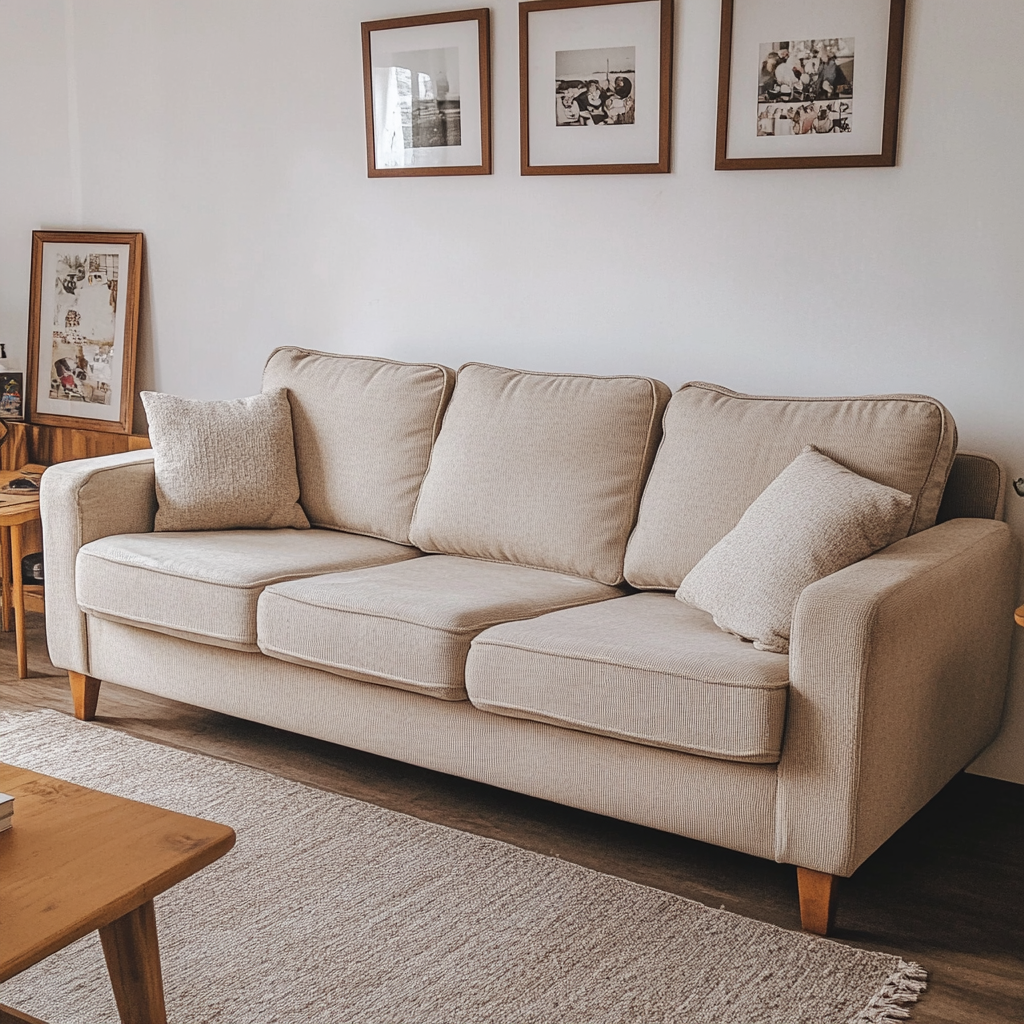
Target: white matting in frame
[82, 315]
[411, 68]
[864, 26]
[610, 27]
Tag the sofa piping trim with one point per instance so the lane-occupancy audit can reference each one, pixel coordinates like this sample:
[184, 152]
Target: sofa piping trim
[229, 642]
[453, 630]
[539, 716]
[256, 585]
[361, 676]
[784, 685]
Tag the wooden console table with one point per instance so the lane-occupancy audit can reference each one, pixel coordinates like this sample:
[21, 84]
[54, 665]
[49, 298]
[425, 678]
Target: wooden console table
[30, 446]
[16, 513]
[32, 443]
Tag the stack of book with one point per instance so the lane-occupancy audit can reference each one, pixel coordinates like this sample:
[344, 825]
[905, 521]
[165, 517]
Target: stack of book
[6, 811]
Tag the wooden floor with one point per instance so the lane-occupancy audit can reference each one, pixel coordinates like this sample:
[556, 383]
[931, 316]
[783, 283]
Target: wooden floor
[947, 890]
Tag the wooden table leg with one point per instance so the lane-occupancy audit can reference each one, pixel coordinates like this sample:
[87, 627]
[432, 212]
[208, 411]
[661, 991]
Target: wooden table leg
[5, 602]
[133, 962]
[5, 569]
[19, 601]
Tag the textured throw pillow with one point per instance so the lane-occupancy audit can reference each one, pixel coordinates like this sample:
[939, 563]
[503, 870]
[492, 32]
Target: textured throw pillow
[224, 465]
[815, 518]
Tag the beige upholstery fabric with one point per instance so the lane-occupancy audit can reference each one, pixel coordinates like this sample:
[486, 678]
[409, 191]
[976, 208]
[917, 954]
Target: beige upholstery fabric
[204, 586]
[644, 668]
[363, 431]
[722, 449]
[540, 469]
[409, 625]
[898, 662]
[898, 669]
[976, 489]
[720, 802]
[224, 465]
[814, 518]
[79, 502]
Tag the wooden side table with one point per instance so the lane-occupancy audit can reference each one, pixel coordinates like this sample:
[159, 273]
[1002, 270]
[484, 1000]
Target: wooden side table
[16, 596]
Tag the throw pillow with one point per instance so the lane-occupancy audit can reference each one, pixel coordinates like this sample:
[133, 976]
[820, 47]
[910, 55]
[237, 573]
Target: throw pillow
[224, 465]
[815, 518]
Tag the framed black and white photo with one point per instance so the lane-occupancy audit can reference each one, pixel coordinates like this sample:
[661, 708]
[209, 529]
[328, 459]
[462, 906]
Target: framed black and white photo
[82, 328]
[595, 86]
[809, 83]
[426, 85]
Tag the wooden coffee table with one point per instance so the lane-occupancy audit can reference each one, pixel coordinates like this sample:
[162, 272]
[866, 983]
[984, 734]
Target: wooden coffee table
[76, 860]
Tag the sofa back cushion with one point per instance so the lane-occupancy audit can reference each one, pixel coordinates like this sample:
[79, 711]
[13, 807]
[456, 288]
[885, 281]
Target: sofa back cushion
[363, 431]
[540, 469]
[976, 489]
[721, 449]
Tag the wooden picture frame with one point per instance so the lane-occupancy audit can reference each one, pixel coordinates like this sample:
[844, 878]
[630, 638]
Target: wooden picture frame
[808, 113]
[427, 93]
[567, 84]
[83, 329]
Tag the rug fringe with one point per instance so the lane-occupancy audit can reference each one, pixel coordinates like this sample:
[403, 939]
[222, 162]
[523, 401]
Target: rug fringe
[901, 989]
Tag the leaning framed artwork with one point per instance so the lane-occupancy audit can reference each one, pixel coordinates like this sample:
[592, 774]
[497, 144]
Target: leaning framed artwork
[427, 92]
[595, 86]
[809, 83]
[82, 328]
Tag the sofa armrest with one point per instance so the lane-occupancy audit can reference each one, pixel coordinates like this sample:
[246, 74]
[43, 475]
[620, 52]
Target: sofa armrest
[80, 502]
[898, 671]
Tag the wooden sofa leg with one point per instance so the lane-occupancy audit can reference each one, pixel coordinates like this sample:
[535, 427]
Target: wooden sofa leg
[817, 900]
[85, 691]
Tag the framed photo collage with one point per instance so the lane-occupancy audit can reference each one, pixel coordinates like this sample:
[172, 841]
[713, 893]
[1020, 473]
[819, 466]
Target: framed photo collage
[786, 97]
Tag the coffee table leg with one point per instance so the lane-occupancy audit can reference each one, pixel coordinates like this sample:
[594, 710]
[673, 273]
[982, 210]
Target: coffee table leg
[133, 962]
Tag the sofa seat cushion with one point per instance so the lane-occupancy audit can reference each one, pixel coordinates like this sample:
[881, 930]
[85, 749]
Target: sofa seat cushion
[645, 668]
[409, 625]
[204, 586]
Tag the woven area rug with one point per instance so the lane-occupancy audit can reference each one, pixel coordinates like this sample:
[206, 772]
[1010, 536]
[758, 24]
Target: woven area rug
[330, 910]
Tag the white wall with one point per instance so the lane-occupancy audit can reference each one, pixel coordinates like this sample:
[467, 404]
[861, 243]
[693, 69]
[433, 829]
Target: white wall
[231, 133]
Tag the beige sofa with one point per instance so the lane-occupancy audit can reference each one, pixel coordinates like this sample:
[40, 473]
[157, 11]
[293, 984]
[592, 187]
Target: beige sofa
[487, 590]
